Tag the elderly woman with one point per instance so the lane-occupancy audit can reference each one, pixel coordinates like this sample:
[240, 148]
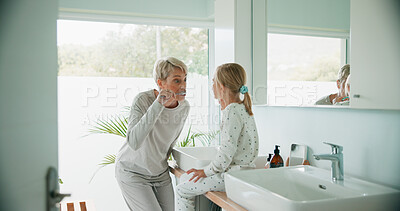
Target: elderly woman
[341, 95]
[155, 122]
[346, 100]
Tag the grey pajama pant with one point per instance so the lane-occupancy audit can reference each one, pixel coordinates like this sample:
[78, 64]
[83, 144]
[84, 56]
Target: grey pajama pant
[147, 193]
[187, 191]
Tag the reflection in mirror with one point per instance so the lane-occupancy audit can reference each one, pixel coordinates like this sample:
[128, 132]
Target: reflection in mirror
[307, 44]
[341, 96]
[303, 70]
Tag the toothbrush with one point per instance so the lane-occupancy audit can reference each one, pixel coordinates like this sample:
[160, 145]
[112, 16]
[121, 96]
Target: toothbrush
[179, 93]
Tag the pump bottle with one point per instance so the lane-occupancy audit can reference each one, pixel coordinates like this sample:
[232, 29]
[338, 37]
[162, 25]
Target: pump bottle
[268, 164]
[277, 160]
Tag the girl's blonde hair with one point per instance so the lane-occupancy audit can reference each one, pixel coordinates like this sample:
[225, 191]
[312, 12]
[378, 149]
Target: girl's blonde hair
[233, 77]
[163, 67]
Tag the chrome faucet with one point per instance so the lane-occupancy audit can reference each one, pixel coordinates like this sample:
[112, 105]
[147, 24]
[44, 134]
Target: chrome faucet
[337, 161]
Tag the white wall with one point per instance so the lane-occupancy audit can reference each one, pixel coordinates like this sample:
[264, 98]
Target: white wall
[370, 138]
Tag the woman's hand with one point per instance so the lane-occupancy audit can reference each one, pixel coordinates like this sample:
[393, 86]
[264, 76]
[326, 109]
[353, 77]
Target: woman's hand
[339, 99]
[197, 173]
[166, 98]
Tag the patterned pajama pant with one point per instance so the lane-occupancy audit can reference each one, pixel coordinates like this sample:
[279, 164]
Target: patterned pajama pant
[187, 191]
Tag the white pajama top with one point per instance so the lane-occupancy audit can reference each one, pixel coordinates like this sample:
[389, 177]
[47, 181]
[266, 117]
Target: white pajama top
[239, 141]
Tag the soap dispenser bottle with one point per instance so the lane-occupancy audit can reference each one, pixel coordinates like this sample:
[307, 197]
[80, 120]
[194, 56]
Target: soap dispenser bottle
[268, 164]
[277, 160]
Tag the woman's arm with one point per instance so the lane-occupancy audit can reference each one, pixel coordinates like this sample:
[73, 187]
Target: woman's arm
[186, 113]
[141, 121]
[230, 133]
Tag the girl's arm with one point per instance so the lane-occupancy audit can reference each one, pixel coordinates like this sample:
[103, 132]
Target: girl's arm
[141, 121]
[230, 132]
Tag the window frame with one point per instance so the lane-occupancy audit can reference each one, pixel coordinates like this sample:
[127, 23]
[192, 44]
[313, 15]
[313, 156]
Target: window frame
[100, 16]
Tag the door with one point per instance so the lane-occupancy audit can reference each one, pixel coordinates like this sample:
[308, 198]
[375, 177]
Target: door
[28, 101]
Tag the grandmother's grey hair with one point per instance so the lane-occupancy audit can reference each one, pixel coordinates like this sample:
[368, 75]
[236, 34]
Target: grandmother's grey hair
[163, 67]
[344, 72]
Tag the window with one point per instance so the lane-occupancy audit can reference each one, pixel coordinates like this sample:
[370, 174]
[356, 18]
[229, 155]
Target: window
[301, 69]
[102, 67]
[113, 62]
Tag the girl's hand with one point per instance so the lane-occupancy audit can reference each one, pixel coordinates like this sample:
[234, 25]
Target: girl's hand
[197, 173]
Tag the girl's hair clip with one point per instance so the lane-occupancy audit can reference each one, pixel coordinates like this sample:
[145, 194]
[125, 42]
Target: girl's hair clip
[243, 89]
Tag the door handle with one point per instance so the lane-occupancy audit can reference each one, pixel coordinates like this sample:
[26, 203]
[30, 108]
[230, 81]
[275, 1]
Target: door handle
[59, 196]
[53, 195]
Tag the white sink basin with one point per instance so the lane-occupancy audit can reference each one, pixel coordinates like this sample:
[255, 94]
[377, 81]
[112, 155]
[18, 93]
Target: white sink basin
[199, 157]
[193, 157]
[306, 188]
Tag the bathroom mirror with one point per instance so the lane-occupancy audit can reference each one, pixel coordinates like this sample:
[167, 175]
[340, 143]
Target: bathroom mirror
[307, 45]
[373, 44]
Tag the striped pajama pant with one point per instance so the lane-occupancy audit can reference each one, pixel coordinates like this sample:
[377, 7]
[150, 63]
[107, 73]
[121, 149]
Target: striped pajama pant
[146, 193]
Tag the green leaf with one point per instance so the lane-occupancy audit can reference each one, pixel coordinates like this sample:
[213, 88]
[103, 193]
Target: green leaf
[108, 159]
[115, 126]
[186, 141]
[205, 138]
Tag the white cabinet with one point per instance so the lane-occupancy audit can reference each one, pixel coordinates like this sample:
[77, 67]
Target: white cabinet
[375, 54]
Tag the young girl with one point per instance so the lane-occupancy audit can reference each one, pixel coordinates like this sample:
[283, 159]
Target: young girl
[239, 138]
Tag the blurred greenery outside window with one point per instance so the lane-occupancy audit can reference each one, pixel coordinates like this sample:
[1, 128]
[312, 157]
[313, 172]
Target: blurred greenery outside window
[117, 51]
[302, 68]
[127, 50]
